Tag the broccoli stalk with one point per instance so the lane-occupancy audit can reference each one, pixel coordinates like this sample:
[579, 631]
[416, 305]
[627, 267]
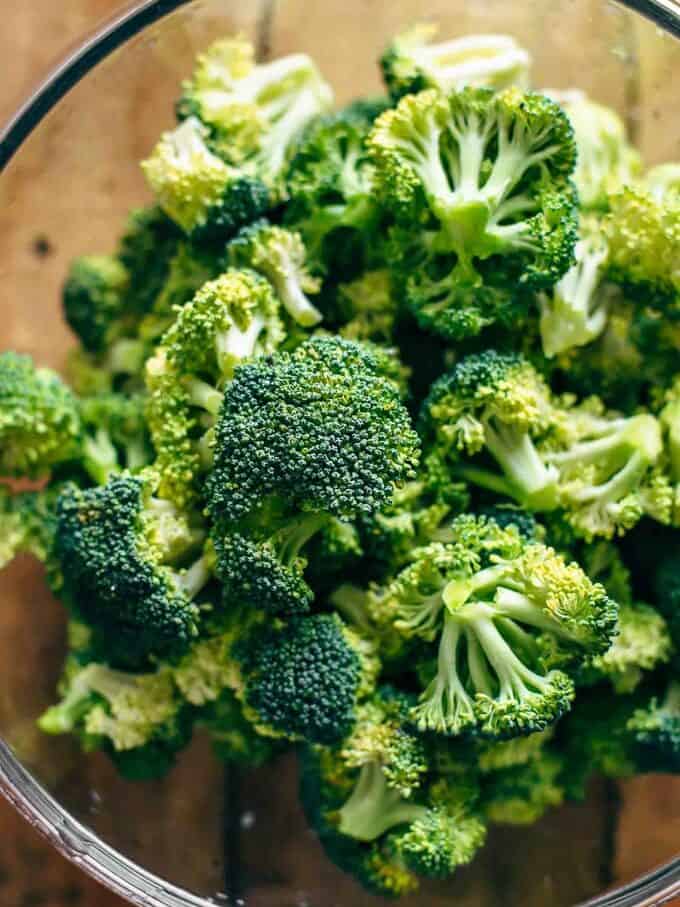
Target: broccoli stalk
[374, 807]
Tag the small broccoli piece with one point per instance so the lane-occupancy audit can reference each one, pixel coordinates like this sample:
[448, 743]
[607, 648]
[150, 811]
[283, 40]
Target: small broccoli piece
[332, 202]
[93, 299]
[507, 515]
[479, 183]
[494, 756]
[253, 113]
[663, 181]
[509, 616]
[39, 420]
[642, 644]
[606, 161]
[279, 255]
[121, 552]
[114, 436]
[320, 427]
[495, 401]
[136, 718]
[26, 523]
[368, 308]
[303, 682]
[205, 196]
[656, 728]
[575, 311]
[229, 319]
[521, 795]
[411, 62]
[146, 250]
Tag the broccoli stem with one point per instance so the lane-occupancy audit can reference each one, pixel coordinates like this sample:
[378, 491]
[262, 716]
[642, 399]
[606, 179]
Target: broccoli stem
[100, 457]
[534, 481]
[126, 356]
[290, 540]
[516, 681]
[350, 601]
[421, 615]
[286, 282]
[285, 127]
[616, 488]
[516, 606]
[235, 345]
[63, 717]
[136, 455]
[373, 807]
[203, 395]
[190, 581]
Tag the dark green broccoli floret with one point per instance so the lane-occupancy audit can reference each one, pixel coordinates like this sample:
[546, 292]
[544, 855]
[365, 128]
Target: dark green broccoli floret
[667, 589]
[656, 729]
[93, 299]
[39, 419]
[303, 681]
[479, 183]
[411, 62]
[146, 250]
[119, 551]
[27, 522]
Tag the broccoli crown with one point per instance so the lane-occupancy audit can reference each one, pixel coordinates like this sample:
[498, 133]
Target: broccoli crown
[146, 250]
[509, 616]
[280, 255]
[411, 62]
[205, 196]
[303, 681]
[507, 204]
[26, 523]
[114, 547]
[656, 729]
[93, 298]
[39, 421]
[606, 161]
[520, 795]
[320, 427]
[644, 243]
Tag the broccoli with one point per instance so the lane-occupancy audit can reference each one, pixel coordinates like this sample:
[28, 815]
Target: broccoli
[121, 553]
[279, 255]
[26, 523]
[496, 401]
[606, 161]
[208, 198]
[667, 592]
[114, 435]
[146, 249]
[656, 729]
[136, 718]
[575, 311]
[39, 419]
[93, 299]
[479, 183]
[229, 319]
[233, 738]
[303, 681]
[520, 795]
[369, 308]
[509, 616]
[500, 756]
[332, 201]
[412, 63]
[663, 181]
[253, 113]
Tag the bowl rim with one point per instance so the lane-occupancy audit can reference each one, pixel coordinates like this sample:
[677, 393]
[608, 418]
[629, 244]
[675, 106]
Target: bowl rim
[65, 833]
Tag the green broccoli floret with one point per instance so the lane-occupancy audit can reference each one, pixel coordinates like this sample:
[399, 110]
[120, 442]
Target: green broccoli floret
[575, 311]
[229, 319]
[253, 113]
[501, 755]
[39, 419]
[27, 522]
[146, 250]
[509, 616]
[121, 553]
[206, 197]
[606, 161]
[93, 299]
[479, 183]
[279, 255]
[136, 718]
[642, 644]
[332, 202]
[498, 402]
[521, 794]
[411, 62]
[656, 729]
[368, 307]
[304, 680]
[114, 436]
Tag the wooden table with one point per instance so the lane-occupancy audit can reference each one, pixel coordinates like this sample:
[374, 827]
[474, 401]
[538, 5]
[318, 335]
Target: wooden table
[31, 874]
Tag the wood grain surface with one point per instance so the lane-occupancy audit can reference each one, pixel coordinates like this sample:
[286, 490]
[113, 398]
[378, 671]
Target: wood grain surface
[89, 149]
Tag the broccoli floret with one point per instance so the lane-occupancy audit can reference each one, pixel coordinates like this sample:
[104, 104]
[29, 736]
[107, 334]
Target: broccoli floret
[254, 113]
[656, 729]
[26, 523]
[412, 62]
[509, 616]
[520, 795]
[206, 197]
[303, 681]
[368, 308]
[320, 427]
[507, 515]
[233, 738]
[332, 203]
[479, 183]
[642, 644]
[136, 718]
[121, 553]
[279, 255]
[146, 250]
[503, 755]
[606, 161]
[495, 401]
[663, 181]
[575, 311]
[115, 435]
[93, 299]
[39, 419]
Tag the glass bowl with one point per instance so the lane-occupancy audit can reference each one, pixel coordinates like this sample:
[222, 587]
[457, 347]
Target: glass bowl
[207, 834]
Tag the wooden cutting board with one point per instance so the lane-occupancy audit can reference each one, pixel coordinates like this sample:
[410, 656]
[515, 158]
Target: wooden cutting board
[31, 874]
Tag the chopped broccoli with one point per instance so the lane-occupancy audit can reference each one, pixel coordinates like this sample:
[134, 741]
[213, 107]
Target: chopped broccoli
[411, 62]
[656, 728]
[93, 299]
[115, 435]
[26, 523]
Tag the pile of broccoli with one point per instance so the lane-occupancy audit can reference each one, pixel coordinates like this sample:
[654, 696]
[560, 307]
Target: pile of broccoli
[370, 448]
